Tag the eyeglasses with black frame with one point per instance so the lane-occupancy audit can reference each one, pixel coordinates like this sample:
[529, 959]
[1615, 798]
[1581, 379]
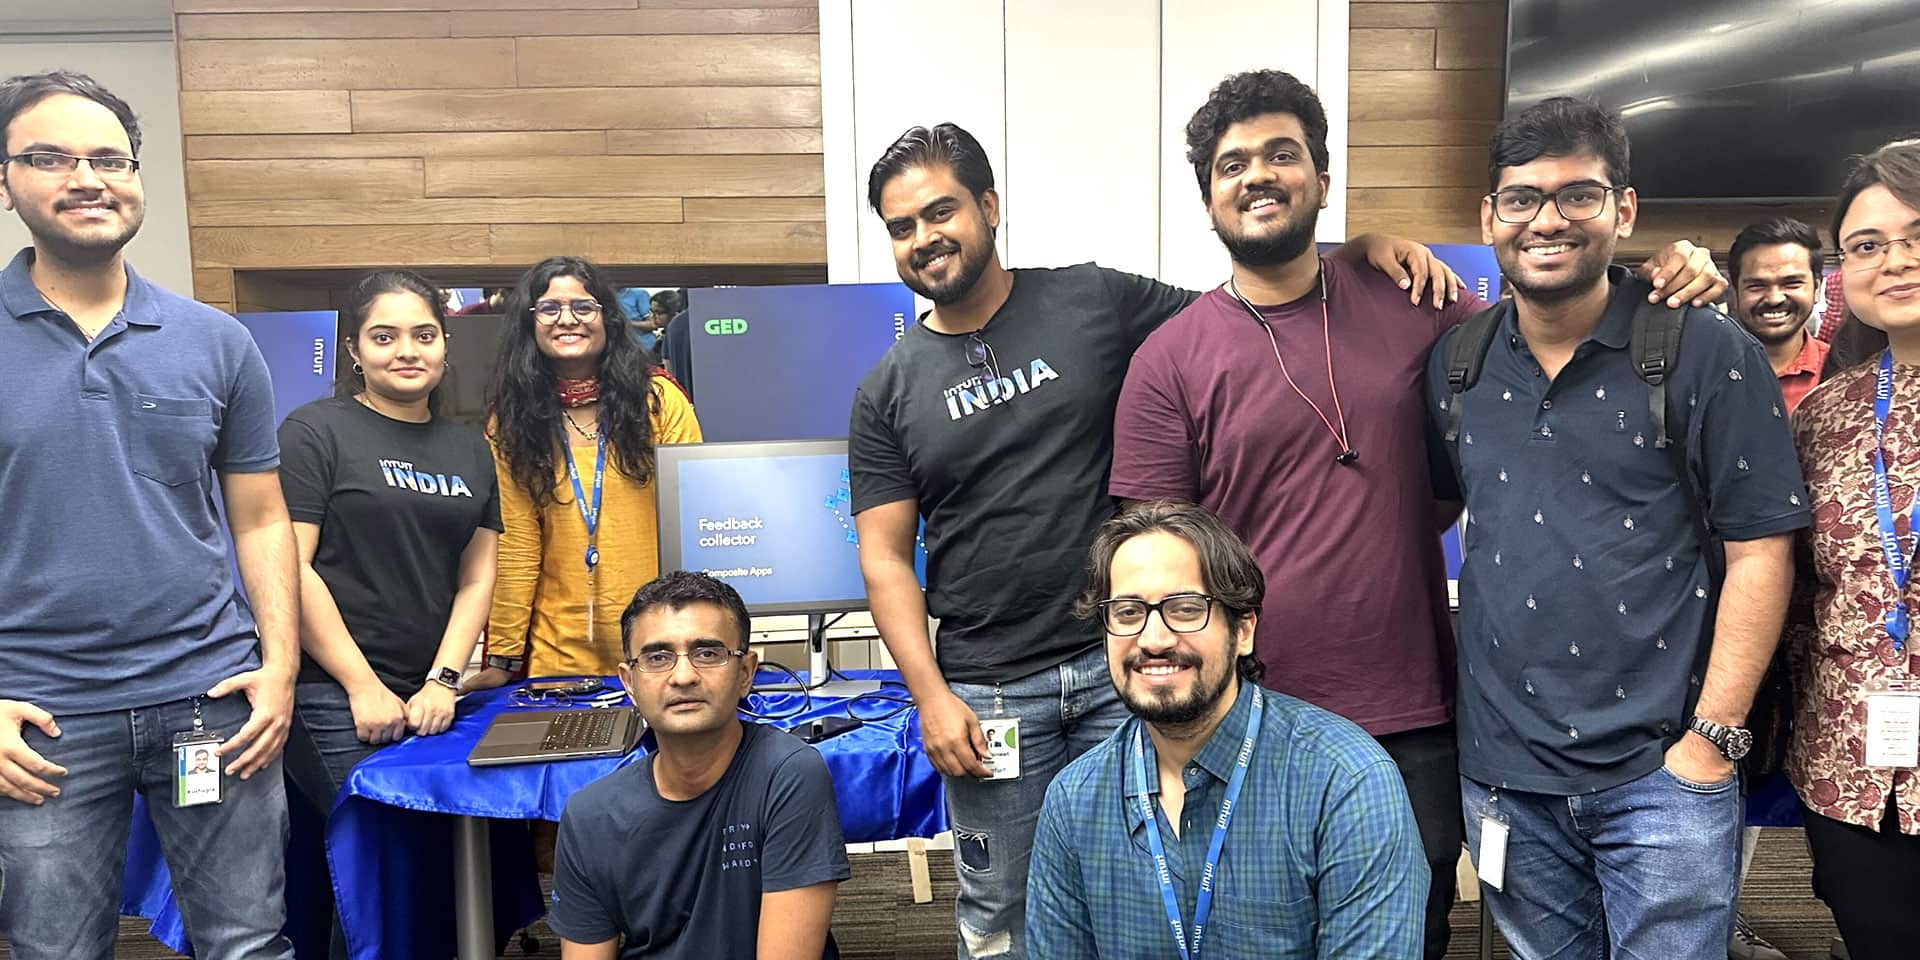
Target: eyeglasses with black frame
[1870, 252]
[980, 356]
[1577, 202]
[702, 657]
[1181, 612]
[110, 167]
[548, 312]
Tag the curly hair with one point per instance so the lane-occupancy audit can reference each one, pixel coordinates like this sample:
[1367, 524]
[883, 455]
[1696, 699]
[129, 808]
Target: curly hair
[522, 401]
[1245, 96]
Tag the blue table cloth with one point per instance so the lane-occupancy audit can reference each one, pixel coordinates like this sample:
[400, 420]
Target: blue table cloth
[390, 842]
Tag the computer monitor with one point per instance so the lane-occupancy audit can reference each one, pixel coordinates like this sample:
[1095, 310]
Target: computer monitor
[773, 519]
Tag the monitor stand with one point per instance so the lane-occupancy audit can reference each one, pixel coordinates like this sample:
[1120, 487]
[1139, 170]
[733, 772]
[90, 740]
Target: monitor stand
[819, 673]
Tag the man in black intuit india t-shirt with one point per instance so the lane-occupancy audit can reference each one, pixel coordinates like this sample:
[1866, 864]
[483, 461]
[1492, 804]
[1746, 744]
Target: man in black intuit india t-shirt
[992, 420]
[724, 841]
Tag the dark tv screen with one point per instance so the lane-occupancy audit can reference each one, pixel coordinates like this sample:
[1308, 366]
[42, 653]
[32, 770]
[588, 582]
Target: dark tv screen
[1728, 99]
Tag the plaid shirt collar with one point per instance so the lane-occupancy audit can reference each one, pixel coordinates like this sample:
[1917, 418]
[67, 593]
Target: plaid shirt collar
[1217, 758]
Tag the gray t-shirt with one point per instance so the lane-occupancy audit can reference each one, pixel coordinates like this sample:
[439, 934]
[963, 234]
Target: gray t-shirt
[684, 878]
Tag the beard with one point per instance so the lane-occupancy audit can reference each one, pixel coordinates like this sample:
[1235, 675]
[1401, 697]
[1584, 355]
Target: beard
[1588, 269]
[81, 246]
[1285, 244]
[1162, 708]
[973, 263]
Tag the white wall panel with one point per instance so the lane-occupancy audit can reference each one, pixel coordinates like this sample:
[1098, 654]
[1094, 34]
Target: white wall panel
[1202, 42]
[1082, 121]
[919, 65]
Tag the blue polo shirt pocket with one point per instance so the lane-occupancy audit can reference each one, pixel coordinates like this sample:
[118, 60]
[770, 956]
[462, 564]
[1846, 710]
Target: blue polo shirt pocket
[169, 439]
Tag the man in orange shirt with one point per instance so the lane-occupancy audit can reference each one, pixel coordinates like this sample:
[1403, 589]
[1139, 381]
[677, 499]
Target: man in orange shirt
[1775, 267]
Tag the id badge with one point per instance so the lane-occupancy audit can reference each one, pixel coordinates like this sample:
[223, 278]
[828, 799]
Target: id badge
[1893, 727]
[196, 769]
[1003, 747]
[1492, 867]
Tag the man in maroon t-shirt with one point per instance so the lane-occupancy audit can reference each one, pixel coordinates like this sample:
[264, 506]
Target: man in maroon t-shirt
[1307, 435]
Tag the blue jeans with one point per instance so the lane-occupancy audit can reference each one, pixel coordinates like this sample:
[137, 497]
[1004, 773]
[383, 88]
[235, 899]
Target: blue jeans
[1064, 711]
[61, 862]
[321, 750]
[1653, 864]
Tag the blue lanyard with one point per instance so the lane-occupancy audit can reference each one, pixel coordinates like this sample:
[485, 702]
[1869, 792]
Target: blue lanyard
[589, 514]
[1204, 904]
[1883, 504]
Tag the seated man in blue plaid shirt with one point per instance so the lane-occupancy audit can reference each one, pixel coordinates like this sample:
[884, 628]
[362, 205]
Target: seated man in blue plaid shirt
[1221, 815]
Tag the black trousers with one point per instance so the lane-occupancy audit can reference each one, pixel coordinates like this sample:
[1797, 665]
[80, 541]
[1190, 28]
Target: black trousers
[1871, 882]
[1429, 762]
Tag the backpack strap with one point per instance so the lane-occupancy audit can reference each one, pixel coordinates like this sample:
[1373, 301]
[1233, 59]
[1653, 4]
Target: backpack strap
[1466, 355]
[1655, 350]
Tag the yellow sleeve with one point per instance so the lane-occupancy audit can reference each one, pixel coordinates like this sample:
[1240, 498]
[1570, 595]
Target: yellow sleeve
[518, 575]
[676, 422]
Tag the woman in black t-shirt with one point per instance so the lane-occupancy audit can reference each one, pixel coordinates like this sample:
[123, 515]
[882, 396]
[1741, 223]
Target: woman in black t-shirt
[398, 517]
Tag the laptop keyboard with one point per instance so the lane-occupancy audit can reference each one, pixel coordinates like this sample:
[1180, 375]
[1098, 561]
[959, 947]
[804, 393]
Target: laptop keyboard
[579, 730]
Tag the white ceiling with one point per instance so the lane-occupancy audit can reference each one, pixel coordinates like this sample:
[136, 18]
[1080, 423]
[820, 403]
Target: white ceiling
[42, 20]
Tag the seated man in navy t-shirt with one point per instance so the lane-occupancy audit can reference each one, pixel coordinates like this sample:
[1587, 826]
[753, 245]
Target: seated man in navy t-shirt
[725, 841]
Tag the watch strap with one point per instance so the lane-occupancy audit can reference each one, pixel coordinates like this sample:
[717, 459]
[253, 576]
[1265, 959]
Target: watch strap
[509, 664]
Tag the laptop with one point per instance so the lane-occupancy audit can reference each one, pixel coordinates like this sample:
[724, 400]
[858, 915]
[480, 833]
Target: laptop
[538, 736]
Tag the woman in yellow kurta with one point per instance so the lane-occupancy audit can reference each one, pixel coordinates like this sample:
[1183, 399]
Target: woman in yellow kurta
[574, 396]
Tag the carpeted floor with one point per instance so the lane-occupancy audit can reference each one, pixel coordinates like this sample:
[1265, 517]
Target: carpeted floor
[876, 918]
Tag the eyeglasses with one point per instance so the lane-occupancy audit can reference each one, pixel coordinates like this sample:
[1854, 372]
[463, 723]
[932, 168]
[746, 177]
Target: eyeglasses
[980, 356]
[1181, 612]
[704, 658]
[548, 311]
[1581, 201]
[106, 168]
[1870, 253]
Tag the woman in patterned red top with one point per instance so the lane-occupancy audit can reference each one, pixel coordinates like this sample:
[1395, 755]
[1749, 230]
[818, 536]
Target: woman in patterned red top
[1852, 758]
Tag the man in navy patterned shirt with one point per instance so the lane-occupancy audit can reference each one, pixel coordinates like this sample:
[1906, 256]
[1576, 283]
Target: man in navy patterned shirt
[1221, 815]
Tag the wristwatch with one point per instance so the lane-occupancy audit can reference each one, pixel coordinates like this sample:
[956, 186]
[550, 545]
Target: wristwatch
[509, 664]
[445, 676]
[1734, 742]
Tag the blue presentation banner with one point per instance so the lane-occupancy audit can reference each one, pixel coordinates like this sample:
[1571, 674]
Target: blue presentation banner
[1480, 273]
[781, 363]
[299, 349]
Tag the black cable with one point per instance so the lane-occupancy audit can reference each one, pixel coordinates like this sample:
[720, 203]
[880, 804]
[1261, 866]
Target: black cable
[806, 701]
[882, 694]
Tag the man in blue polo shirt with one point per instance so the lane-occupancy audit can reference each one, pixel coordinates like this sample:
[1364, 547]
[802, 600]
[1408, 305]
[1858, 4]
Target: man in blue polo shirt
[125, 650]
[1602, 685]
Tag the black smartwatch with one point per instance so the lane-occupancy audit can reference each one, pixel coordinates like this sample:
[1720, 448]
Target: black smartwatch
[1733, 742]
[445, 676]
[509, 664]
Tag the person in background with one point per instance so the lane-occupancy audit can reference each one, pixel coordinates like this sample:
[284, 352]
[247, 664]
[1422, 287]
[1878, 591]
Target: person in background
[1776, 287]
[1247, 403]
[576, 412]
[124, 643]
[676, 338]
[1285, 828]
[1606, 663]
[723, 839]
[1853, 760]
[1775, 266]
[636, 304]
[398, 521]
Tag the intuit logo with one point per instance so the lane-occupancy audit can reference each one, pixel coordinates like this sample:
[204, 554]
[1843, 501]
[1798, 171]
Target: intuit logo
[977, 394]
[319, 356]
[726, 326]
[400, 474]
[899, 325]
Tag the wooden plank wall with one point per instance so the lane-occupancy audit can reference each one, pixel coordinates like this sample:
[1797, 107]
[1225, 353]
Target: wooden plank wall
[327, 134]
[1426, 84]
